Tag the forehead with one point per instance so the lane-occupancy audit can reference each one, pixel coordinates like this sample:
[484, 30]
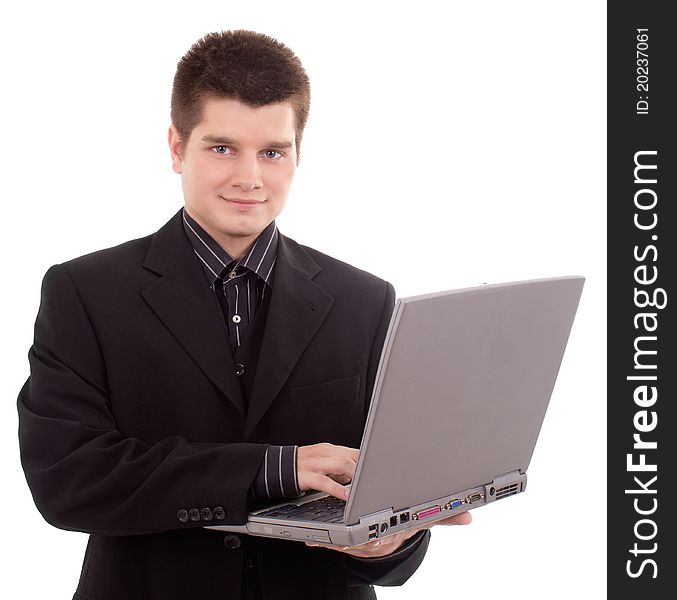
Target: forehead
[233, 119]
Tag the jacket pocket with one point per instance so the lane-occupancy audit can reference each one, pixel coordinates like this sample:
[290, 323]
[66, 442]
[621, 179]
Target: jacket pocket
[309, 397]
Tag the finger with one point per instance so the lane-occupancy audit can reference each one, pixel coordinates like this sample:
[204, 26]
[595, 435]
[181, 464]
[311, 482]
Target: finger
[464, 518]
[322, 483]
[376, 548]
[333, 450]
[328, 546]
[327, 449]
[341, 466]
[362, 551]
[342, 479]
[333, 468]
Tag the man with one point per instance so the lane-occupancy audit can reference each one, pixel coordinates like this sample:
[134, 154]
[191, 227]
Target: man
[181, 379]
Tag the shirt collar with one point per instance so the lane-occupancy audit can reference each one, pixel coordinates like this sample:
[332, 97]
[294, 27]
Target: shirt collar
[215, 260]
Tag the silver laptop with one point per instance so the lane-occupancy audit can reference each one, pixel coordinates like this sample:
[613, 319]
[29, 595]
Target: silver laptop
[460, 394]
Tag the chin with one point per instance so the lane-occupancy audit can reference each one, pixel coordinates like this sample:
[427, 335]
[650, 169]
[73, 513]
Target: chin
[242, 232]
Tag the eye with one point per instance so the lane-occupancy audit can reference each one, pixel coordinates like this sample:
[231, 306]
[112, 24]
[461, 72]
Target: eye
[272, 154]
[221, 149]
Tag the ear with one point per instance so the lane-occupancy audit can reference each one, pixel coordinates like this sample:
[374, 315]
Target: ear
[175, 148]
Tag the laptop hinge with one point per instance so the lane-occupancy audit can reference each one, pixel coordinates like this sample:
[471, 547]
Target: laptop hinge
[506, 485]
[507, 476]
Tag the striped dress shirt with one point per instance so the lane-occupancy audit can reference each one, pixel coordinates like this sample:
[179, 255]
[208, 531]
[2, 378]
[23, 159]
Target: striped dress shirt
[243, 283]
[240, 286]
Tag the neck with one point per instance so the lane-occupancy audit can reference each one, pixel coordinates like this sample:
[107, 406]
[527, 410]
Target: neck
[236, 247]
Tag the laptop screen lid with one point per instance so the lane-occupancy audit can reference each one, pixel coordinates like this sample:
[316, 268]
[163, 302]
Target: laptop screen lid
[461, 391]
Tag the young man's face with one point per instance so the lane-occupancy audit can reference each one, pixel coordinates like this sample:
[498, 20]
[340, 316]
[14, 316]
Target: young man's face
[236, 168]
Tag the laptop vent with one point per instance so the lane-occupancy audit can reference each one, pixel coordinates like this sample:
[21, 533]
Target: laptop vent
[507, 490]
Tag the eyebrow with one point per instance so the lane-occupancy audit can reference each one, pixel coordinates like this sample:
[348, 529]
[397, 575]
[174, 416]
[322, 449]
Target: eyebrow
[226, 141]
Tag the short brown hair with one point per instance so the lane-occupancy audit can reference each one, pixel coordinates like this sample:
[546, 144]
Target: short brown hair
[242, 65]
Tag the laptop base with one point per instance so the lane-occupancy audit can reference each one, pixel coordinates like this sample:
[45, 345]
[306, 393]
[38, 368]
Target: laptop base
[376, 525]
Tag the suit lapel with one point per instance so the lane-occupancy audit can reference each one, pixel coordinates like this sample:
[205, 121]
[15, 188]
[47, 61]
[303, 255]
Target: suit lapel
[298, 307]
[182, 300]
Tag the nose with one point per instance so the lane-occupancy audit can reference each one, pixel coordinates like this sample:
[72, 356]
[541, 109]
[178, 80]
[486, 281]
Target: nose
[247, 173]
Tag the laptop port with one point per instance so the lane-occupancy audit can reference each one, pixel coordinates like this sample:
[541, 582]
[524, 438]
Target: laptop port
[473, 498]
[427, 512]
[373, 531]
[452, 504]
[393, 521]
[404, 518]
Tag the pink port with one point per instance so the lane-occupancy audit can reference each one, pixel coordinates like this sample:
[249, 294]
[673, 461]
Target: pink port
[428, 512]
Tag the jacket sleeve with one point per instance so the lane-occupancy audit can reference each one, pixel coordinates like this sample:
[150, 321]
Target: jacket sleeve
[394, 569]
[84, 474]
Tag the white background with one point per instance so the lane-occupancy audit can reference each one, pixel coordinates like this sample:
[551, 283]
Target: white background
[449, 144]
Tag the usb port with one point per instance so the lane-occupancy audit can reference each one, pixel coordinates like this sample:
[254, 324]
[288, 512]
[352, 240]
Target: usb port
[373, 531]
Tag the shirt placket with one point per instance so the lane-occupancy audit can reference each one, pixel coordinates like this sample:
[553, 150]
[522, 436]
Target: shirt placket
[236, 323]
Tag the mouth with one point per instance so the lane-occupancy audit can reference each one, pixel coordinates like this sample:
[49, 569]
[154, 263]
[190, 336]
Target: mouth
[242, 202]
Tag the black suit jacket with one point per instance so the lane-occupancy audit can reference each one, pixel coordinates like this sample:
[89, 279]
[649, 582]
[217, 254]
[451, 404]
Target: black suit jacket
[133, 412]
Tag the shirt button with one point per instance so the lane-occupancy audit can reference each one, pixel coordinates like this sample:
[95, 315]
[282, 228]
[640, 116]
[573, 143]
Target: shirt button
[248, 564]
[232, 541]
[232, 274]
[237, 318]
[239, 370]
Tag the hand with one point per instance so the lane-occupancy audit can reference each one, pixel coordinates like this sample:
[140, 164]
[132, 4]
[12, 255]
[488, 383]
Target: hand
[325, 467]
[388, 544]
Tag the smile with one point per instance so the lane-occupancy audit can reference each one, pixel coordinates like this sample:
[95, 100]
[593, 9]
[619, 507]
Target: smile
[241, 203]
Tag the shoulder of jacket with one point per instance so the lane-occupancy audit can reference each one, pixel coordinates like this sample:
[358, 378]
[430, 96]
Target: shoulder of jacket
[334, 266]
[130, 253]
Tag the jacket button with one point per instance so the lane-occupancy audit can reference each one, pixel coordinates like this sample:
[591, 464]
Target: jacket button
[219, 513]
[248, 564]
[207, 514]
[194, 514]
[232, 541]
[239, 369]
[182, 515]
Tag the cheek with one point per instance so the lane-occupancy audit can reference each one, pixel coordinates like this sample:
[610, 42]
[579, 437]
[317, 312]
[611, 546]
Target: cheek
[281, 180]
[202, 178]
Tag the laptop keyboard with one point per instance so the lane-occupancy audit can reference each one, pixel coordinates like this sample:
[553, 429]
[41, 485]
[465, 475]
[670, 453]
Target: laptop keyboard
[327, 510]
